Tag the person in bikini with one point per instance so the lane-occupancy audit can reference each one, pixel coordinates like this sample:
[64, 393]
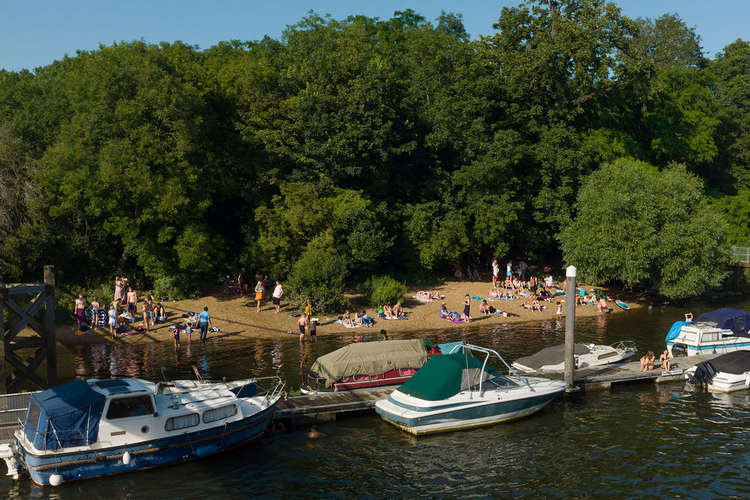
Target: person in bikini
[647, 361]
[665, 360]
[398, 311]
[258, 295]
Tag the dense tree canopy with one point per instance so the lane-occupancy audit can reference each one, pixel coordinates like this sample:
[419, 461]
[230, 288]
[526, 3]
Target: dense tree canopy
[395, 146]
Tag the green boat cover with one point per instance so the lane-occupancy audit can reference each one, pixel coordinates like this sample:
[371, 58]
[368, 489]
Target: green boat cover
[445, 376]
[370, 358]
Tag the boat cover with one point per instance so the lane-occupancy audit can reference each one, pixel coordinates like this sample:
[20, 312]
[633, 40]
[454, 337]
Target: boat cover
[64, 416]
[736, 320]
[370, 358]
[676, 328]
[550, 356]
[735, 362]
[445, 376]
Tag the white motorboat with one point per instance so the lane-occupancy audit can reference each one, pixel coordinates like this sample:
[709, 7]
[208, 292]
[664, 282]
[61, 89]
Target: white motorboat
[719, 331]
[551, 359]
[726, 373]
[458, 391]
[92, 428]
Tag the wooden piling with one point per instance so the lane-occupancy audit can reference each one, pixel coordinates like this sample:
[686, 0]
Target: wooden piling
[49, 324]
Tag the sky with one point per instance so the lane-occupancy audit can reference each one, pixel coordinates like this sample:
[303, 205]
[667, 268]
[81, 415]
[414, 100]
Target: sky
[35, 33]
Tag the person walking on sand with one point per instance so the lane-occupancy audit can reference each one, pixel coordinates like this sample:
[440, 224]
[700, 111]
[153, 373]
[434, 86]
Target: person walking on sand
[204, 321]
[258, 295]
[80, 308]
[278, 292]
[132, 301]
[301, 322]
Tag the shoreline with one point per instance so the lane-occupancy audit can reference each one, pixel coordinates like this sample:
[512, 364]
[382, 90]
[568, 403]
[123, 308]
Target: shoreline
[237, 319]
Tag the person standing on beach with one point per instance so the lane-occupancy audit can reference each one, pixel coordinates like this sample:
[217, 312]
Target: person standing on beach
[308, 309]
[242, 282]
[509, 269]
[146, 316]
[112, 317]
[258, 295]
[495, 272]
[204, 321]
[132, 301]
[313, 329]
[118, 289]
[80, 308]
[466, 316]
[278, 292]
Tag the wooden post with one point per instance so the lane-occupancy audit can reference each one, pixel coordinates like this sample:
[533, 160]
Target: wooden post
[570, 324]
[49, 325]
[3, 293]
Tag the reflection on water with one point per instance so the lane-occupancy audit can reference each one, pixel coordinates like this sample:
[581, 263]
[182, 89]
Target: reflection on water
[634, 440]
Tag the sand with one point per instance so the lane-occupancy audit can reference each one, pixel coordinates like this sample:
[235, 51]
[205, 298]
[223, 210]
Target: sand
[237, 319]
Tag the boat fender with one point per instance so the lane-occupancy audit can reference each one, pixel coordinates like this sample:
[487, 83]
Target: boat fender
[55, 480]
[126, 458]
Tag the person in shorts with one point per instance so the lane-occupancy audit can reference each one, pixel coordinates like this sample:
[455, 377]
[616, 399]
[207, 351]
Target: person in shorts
[301, 324]
[278, 292]
[258, 295]
[313, 329]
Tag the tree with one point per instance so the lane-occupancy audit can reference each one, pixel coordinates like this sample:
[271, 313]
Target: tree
[641, 226]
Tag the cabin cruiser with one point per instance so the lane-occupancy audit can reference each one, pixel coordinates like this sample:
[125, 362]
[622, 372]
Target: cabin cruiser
[459, 391]
[98, 427]
[719, 331]
[552, 359]
[725, 373]
[367, 364]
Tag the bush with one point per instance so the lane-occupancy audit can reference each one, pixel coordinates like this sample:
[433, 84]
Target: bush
[172, 288]
[318, 275]
[383, 290]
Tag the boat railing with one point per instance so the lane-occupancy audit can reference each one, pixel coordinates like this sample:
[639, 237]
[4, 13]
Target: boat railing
[271, 387]
[625, 345]
[487, 351]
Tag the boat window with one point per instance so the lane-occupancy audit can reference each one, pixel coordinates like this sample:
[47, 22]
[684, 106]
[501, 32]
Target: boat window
[710, 337]
[182, 422]
[499, 382]
[130, 407]
[219, 413]
[739, 324]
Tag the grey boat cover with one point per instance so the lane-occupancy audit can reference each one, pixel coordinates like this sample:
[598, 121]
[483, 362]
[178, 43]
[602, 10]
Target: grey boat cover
[550, 356]
[370, 358]
[735, 362]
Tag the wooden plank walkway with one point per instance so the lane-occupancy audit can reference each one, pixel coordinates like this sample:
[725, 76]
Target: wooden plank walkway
[325, 405]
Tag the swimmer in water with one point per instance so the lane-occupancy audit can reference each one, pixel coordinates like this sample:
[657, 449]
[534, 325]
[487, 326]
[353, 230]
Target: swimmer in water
[314, 433]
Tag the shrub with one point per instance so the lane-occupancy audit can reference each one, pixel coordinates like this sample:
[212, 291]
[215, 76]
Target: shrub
[381, 290]
[172, 288]
[318, 275]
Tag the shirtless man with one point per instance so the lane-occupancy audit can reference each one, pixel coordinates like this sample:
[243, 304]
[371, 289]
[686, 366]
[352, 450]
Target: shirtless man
[301, 324]
[80, 310]
[132, 301]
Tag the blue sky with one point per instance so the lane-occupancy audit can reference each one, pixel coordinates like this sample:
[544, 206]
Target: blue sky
[36, 32]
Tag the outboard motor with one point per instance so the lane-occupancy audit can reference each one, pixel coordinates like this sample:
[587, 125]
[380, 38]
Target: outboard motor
[704, 374]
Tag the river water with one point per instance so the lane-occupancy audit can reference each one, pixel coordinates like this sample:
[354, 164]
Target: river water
[631, 441]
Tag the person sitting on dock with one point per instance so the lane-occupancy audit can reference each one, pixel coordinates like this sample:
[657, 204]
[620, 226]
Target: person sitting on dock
[647, 361]
[665, 359]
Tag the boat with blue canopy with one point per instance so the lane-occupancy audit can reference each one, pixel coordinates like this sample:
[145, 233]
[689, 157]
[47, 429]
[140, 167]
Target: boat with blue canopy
[98, 427]
[459, 391]
[714, 332]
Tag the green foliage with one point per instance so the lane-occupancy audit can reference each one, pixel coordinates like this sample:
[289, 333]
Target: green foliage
[318, 275]
[381, 290]
[637, 225]
[398, 145]
[736, 213]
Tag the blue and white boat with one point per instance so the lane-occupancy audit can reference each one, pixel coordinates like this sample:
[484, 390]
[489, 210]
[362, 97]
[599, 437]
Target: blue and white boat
[93, 428]
[720, 331]
[458, 391]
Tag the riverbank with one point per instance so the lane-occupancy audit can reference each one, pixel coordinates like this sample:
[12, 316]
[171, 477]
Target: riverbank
[237, 318]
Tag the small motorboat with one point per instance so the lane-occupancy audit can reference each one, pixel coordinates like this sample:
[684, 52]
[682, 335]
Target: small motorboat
[725, 373]
[98, 427]
[458, 391]
[719, 331]
[367, 364]
[552, 359]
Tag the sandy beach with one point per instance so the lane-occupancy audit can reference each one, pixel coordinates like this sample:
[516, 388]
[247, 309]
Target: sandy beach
[237, 318]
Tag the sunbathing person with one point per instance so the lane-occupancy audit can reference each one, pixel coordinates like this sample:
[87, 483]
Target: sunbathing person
[347, 318]
[536, 306]
[484, 308]
[665, 359]
[424, 295]
[387, 311]
[647, 361]
[603, 304]
[366, 320]
[398, 311]
[444, 311]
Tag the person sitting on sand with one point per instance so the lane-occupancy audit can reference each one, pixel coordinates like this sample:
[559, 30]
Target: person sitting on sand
[647, 361]
[347, 319]
[665, 359]
[535, 305]
[161, 313]
[398, 311]
[603, 304]
[387, 311]
[484, 308]
[444, 311]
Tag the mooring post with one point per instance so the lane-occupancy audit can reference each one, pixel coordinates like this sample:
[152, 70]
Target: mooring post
[49, 324]
[3, 294]
[570, 323]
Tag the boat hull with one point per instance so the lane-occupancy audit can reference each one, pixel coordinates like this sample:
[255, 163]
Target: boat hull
[460, 417]
[144, 455]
